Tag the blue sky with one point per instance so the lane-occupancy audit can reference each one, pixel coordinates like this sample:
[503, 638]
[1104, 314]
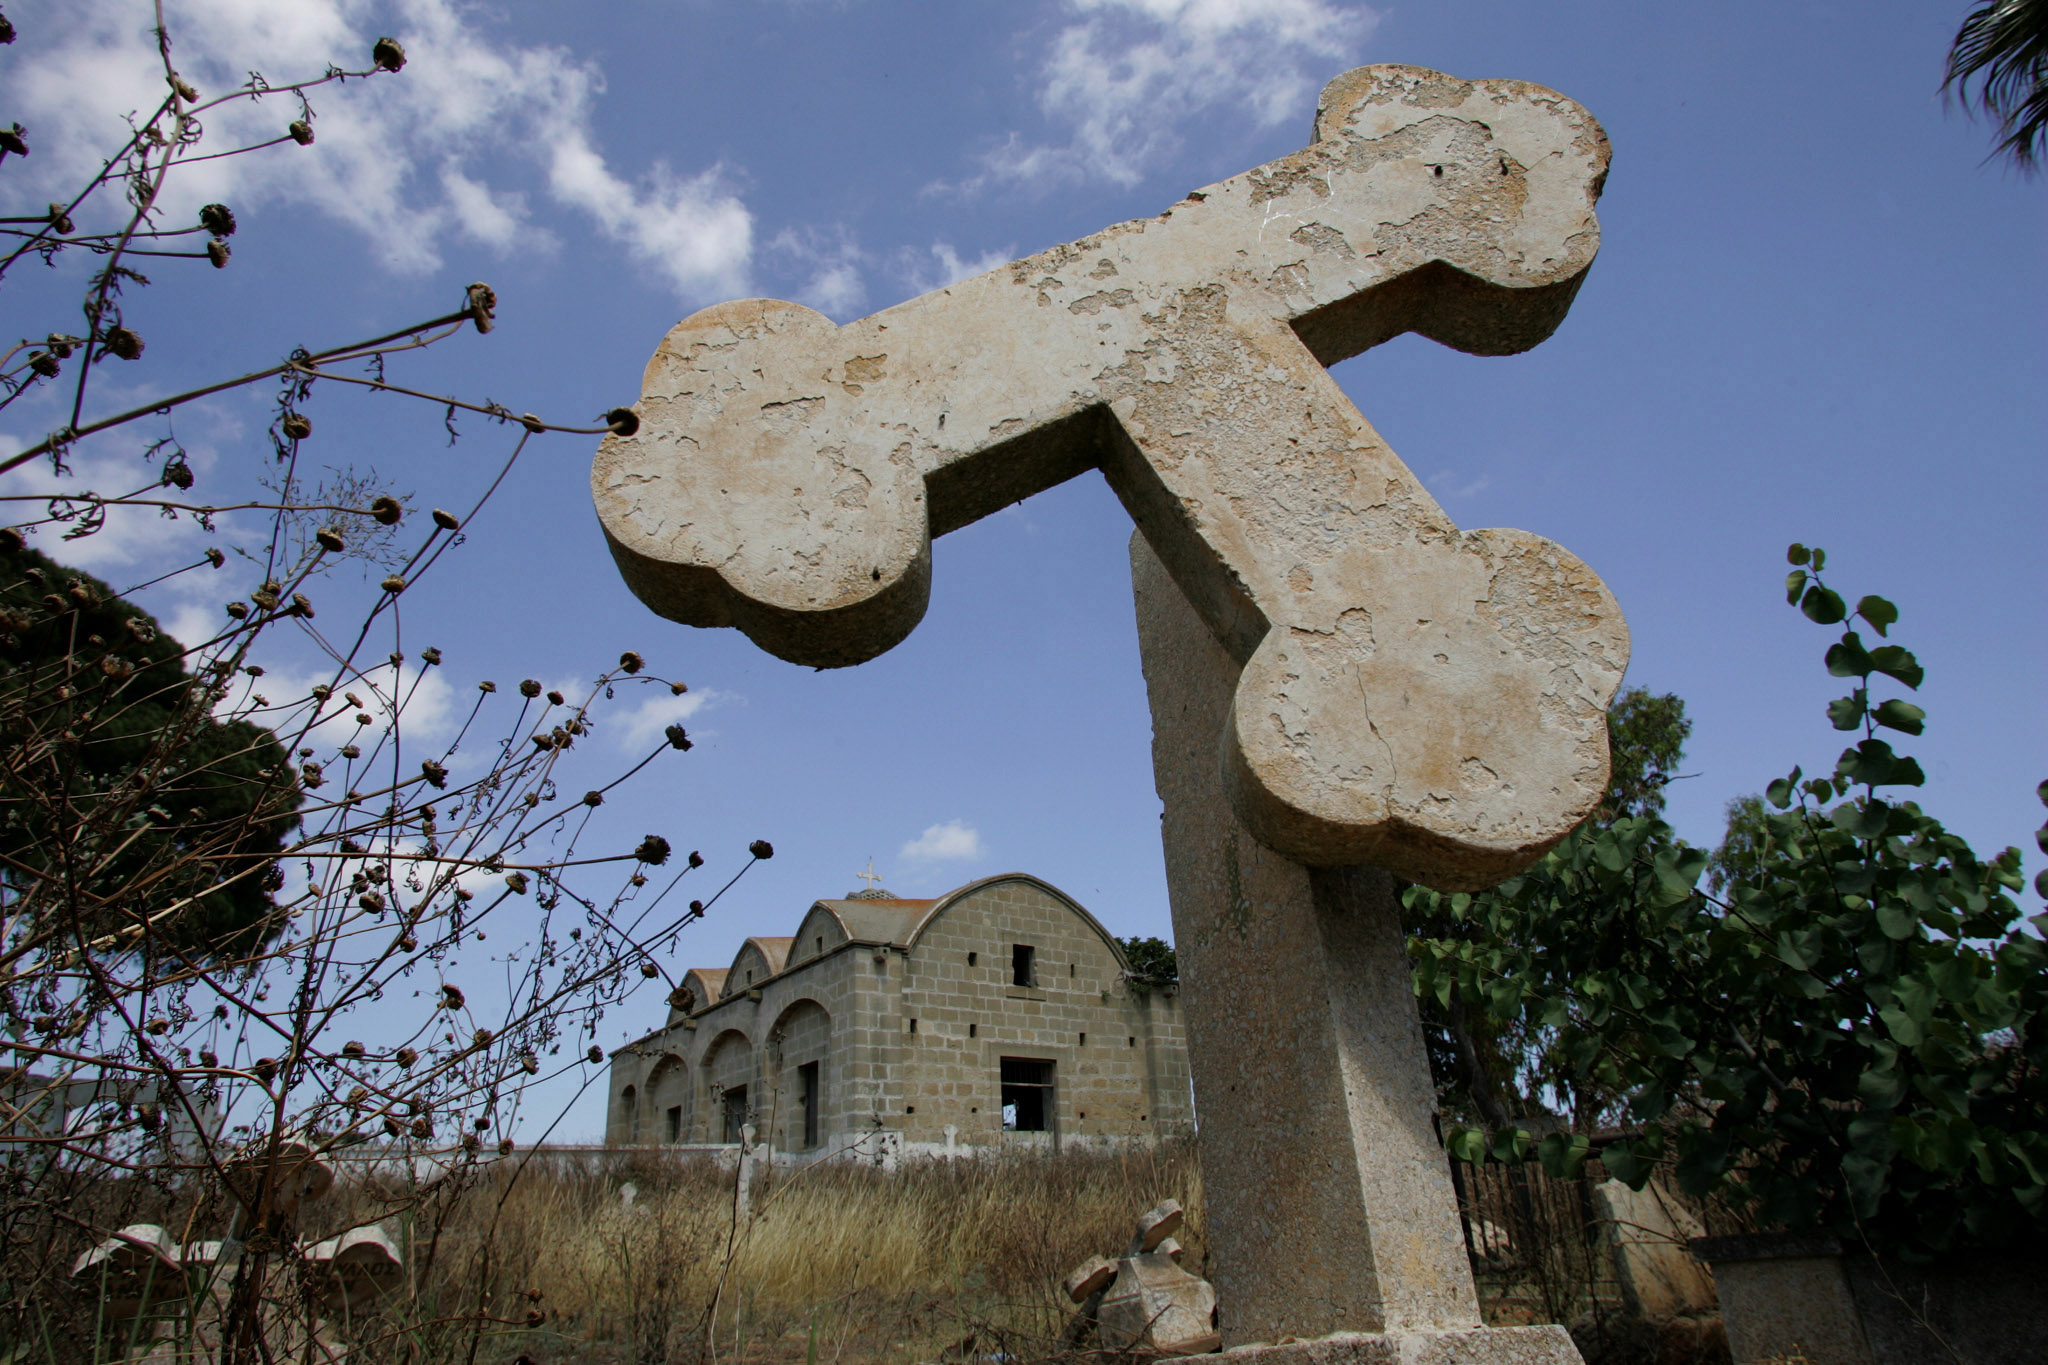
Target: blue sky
[1818, 315]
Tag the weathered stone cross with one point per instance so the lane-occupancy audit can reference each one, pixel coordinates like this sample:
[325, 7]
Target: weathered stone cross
[1341, 679]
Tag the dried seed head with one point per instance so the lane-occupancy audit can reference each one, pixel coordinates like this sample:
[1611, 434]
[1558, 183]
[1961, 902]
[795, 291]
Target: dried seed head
[387, 54]
[386, 509]
[761, 849]
[631, 662]
[158, 1026]
[215, 557]
[676, 689]
[554, 698]
[352, 1049]
[529, 1063]
[678, 738]
[430, 656]
[696, 858]
[302, 605]
[637, 879]
[593, 798]
[393, 584]
[446, 520]
[653, 850]
[372, 902]
[483, 306]
[238, 610]
[622, 421]
[44, 364]
[649, 970]
[596, 1053]
[697, 908]
[296, 425]
[504, 1146]
[321, 691]
[265, 597]
[451, 996]
[13, 140]
[532, 423]
[178, 474]
[301, 132]
[406, 943]
[436, 775]
[217, 219]
[265, 1068]
[529, 688]
[482, 1038]
[218, 251]
[209, 1060]
[60, 221]
[423, 1127]
[183, 87]
[487, 686]
[517, 881]
[124, 343]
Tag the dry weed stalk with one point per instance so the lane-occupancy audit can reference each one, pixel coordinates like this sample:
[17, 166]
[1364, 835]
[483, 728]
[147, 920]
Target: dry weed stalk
[216, 904]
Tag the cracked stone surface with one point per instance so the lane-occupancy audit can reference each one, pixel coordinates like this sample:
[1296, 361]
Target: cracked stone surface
[1414, 696]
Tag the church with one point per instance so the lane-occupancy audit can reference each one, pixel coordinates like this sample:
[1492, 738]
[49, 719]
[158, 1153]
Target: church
[999, 1016]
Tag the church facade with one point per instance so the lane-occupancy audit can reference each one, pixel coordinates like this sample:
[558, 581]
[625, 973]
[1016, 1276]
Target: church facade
[998, 1016]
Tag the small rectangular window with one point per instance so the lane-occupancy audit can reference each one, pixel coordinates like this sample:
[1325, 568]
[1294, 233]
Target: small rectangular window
[972, 958]
[675, 1123]
[1027, 1087]
[1023, 970]
[820, 941]
[971, 1029]
[1084, 1040]
[913, 1026]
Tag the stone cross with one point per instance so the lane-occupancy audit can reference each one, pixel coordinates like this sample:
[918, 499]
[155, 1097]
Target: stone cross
[871, 877]
[1344, 683]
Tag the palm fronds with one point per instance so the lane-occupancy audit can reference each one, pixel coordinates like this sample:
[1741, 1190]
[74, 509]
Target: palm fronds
[2003, 47]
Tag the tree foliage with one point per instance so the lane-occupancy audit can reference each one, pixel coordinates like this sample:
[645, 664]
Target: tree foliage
[1493, 1068]
[98, 673]
[1842, 1032]
[1152, 960]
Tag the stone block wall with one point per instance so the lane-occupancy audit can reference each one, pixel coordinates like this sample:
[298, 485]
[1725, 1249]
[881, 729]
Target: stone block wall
[909, 1035]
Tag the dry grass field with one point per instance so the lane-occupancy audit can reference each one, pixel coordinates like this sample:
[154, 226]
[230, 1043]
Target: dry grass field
[835, 1264]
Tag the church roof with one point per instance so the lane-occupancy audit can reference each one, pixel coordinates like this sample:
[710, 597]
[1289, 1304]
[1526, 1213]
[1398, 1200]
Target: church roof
[776, 950]
[713, 979]
[873, 920]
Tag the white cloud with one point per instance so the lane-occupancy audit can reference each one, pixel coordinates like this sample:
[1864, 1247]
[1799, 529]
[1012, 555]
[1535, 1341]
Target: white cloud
[831, 264]
[1127, 76]
[397, 157]
[1448, 483]
[940, 265]
[640, 726]
[954, 841]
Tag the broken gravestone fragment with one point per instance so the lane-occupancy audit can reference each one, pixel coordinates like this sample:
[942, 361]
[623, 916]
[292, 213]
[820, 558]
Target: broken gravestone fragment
[1144, 1302]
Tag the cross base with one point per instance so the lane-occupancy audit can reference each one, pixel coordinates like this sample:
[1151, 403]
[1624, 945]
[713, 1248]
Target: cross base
[1545, 1345]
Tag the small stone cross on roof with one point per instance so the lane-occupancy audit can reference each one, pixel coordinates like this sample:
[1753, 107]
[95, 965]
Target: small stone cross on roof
[871, 877]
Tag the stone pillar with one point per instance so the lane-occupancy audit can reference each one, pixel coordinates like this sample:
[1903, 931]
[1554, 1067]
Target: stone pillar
[1328, 1197]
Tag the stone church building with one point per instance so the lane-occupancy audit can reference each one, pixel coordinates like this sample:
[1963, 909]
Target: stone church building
[999, 1015]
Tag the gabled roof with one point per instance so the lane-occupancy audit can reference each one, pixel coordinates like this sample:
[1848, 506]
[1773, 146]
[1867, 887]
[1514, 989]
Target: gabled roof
[776, 950]
[879, 921]
[713, 979]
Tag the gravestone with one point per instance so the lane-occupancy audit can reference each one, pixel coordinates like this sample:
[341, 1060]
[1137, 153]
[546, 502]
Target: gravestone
[1345, 685]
